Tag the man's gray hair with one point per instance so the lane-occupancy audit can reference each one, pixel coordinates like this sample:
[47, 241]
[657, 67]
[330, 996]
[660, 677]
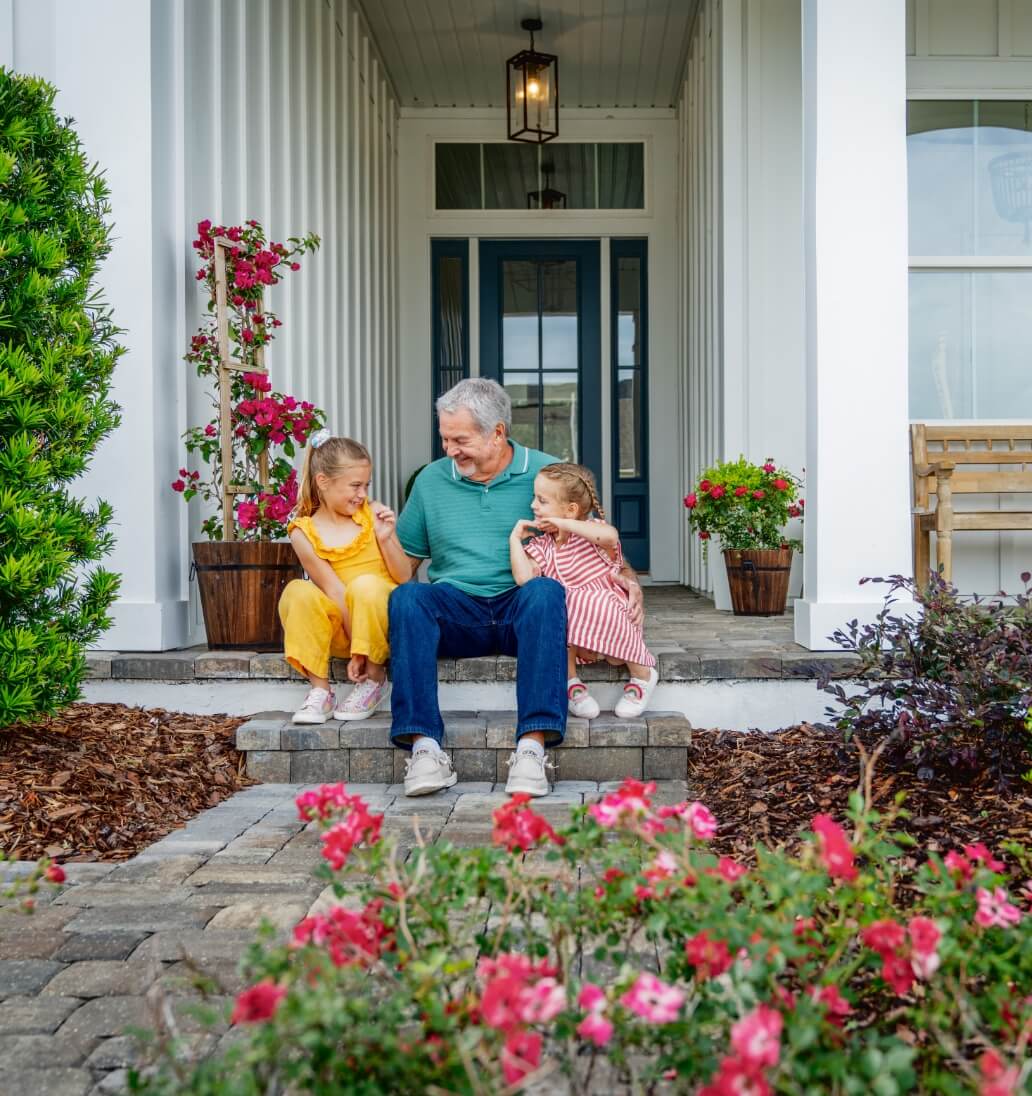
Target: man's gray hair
[486, 400]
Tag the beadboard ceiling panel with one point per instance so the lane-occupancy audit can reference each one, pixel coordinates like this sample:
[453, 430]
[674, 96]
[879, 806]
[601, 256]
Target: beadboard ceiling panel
[612, 53]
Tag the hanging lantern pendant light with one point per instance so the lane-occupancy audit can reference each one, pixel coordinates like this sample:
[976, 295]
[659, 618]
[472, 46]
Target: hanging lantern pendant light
[532, 92]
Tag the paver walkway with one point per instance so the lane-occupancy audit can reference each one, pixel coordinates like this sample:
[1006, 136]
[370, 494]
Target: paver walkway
[119, 943]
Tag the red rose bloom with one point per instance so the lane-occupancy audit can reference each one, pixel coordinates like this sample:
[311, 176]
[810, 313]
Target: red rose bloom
[717, 492]
[781, 485]
[759, 493]
[691, 500]
[740, 491]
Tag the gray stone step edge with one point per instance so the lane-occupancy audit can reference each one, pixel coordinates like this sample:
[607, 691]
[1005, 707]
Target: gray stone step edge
[200, 664]
[479, 743]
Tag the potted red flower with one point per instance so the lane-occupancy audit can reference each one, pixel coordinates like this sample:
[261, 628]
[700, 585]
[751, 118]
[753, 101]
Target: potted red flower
[240, 576]
[748, 506]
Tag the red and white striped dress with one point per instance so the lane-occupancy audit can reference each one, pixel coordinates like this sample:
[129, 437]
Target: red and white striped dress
[597, 613]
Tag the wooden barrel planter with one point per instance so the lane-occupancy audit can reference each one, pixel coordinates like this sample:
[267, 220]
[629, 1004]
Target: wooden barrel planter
[240, 584]
[758, 579]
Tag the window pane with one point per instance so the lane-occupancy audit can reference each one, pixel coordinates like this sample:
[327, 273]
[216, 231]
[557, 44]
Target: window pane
[628, 394]
[559, 314]
[525, 393]
[510, 174]
[519, 314]
[567, 177]
[970, 335]
[559, 417]
[457, 175]
[621, 176]
[970, 177]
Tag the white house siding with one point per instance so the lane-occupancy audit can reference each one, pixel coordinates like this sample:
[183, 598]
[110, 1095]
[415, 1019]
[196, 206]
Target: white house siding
[976, 49]
[273, 109]
[291, 119]
[741, 243]
[419, 223]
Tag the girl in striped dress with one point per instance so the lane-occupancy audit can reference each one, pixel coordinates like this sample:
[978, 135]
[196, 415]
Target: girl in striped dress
[584, 555]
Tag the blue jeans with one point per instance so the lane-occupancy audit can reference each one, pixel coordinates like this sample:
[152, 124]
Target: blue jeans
[428, 620]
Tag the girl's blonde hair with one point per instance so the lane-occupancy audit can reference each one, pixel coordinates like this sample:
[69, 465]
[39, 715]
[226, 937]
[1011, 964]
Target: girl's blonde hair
[332, 458]
[577, 485]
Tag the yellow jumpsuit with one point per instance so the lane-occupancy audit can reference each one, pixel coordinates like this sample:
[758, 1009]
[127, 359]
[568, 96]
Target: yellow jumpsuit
[312, 624]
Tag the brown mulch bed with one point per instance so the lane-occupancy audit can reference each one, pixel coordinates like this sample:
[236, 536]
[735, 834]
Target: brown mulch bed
[766, 787]
[103, 781]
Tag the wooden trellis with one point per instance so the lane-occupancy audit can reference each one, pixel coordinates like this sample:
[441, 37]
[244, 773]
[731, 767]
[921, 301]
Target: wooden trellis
[228, 366]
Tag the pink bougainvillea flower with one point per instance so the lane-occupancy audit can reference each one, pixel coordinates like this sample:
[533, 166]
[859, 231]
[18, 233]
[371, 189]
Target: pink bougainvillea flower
[728, 869]
[995, 909]
[959, 865]
[757, 1037]
[178, 485]
[997, 1079]
[736, 1078]
[632, 799]
[924, 936]
[516, 826]
[835, 851]
[897, 972]
[258, 1003]
[521, 1055]
[980, 854]
[836, 1007]
[710, 957]
[351, 937]
[653, 999]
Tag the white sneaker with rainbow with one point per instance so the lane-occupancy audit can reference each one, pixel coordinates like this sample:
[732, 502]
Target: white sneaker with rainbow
[636, 696]
[363, 700]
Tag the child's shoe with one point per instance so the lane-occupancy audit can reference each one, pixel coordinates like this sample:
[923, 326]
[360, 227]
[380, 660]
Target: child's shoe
[317, 708]
[579, 701]
[636, 696]
[363, 700]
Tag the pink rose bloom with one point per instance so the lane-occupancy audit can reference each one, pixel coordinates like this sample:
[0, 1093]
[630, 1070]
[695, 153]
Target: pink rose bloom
[994, 909]
[730, 869]
[980, 854]
[596, 1029]
[924, 936]
[757, 1037]
[835, 850]
[520, 1055]
[691, 500]
[741, 491]
[653, 999]
[759, 493]
[258, 1003]
[717, 492]
[701, 821]
[997, 1079]
[835, 1004]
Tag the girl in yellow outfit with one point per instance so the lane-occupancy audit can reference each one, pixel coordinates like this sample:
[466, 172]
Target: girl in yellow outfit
[350, 550]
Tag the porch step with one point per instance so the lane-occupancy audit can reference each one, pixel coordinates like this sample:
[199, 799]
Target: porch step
[654, 747]
[730, 662]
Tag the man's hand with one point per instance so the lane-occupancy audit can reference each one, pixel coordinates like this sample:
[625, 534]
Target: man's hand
[636, 599]
[384, 520]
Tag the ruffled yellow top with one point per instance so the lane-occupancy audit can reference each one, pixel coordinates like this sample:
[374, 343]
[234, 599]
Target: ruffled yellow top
[361, 557]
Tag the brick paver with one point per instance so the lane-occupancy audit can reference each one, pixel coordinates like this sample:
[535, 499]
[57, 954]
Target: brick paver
[118, 941]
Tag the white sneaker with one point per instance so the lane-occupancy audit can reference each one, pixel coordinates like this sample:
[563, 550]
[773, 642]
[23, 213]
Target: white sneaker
[636, 696]
[317, 708]
[363, 700]
[527, 774]
[428, 771]
[579, 701]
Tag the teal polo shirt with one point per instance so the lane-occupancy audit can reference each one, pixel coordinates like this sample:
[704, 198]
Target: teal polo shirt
[463, 527]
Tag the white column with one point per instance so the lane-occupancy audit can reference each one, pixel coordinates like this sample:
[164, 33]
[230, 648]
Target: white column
[855, 217]
[117, 66]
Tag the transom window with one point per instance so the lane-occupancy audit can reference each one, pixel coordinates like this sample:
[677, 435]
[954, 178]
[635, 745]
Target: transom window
[970, 224]
[511, 175]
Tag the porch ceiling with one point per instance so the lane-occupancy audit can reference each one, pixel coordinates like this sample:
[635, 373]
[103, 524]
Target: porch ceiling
[612, 53]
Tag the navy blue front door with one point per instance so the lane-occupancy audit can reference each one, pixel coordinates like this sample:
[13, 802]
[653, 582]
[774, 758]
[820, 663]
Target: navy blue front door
[540, 338]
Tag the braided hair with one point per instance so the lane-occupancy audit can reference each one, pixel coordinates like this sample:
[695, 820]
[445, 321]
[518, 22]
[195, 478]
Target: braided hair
[577, 485]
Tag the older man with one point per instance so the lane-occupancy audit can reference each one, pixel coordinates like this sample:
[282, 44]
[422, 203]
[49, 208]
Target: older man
[459, 516]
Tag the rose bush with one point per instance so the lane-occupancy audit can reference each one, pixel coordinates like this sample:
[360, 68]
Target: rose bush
[619, 954]
[747, 505]
[263, 421]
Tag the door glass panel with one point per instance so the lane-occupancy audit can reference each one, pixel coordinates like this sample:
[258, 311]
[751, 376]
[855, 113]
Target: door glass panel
[559, 314]
[525, 393]
[629, 419]
[629, 312]
[519, 314]
[560, 415]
